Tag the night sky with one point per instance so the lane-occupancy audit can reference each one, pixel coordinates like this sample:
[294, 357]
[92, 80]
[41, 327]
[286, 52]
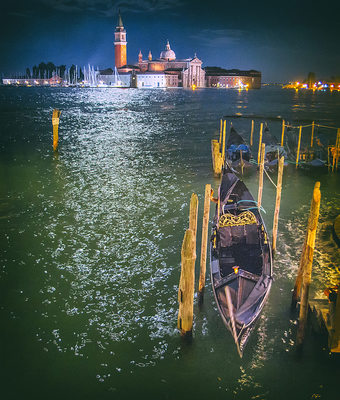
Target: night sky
[284, 40]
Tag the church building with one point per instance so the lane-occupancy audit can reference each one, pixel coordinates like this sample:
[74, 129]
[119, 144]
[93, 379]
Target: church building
[165, 71]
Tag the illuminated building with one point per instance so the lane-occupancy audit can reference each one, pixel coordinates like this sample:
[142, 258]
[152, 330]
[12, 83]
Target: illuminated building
[232, 78]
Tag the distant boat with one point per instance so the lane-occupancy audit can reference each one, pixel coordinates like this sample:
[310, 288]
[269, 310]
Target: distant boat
[240, 259]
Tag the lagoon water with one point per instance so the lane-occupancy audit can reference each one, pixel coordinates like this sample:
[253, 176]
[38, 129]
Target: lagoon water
[90, 247]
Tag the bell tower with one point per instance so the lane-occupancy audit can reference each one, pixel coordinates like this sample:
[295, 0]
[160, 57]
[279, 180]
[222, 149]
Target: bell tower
[120, 43]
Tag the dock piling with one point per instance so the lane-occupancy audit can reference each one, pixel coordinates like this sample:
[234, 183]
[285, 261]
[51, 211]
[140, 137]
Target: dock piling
[187, 284]
[306, 262]
[259, 196]
[282, 132]
[204, 241]
[260, 142]
[55, 123]
[251, 132]
[298, 149]
[312, 135]
[277, 202]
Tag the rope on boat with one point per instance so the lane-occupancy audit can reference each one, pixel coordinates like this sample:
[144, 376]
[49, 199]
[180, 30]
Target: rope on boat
[245, 218]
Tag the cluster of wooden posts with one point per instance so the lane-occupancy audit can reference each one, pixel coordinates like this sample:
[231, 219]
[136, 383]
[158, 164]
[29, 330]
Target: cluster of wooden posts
[188, 257]
[333, 151]
[188, 254]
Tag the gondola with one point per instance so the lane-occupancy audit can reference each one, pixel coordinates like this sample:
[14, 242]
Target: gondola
[273, 150]
[237, 149]
[240, 258]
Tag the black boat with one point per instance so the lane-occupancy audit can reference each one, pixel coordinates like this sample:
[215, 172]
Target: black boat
[237, 149]
[273, 149]
[240, 258]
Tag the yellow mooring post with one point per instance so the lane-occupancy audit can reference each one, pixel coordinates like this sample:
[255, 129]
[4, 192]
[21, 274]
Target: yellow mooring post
[298, 149]
[312, 135]
[241, 161]
[259, 196]
[187, 284]
[221, 129]
[260, 142]
[223, 143]
[205, 224]
[55, 123]
[251, 132]
[216, 156]
[193, 215]
[283, 131]
[306, 262]
[277, 202]
[311, 224]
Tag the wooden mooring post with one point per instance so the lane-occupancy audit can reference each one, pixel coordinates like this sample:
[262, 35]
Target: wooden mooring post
[260, 142]
[221, 130]
[55, 123]
[205, 224]
[259, 195]
[277, 202]
[223, 143]
[303, 280]
[298, 149]
[187, 279]
[187, 284]
[216, 157]
[312, 135]
[282, 132]
[251, 132]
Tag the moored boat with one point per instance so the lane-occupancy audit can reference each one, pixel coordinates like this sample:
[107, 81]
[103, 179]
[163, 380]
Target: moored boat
[238, 152]
[240, 258]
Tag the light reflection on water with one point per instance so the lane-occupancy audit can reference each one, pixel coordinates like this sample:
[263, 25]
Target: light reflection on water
[93, 235]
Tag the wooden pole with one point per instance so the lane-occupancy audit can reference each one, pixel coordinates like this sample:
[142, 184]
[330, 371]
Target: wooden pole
[334, 340]
[223, 143]
[193, 215]
[187, 284]
[298, 149]
[259, 196]
[55, 123]
[277, 202]
[298, 282]
[283, 131]
[221, 129]
[232, 318]
[307, 261]
[216, 157]
[203, 261]
[260, 142]
[312, 136]
[241, 160]
[251, 132]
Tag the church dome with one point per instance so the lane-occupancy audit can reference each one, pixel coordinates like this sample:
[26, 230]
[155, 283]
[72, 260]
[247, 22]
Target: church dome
[168, 54]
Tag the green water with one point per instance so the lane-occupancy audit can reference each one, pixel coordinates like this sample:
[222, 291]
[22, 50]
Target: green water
[90, 247]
